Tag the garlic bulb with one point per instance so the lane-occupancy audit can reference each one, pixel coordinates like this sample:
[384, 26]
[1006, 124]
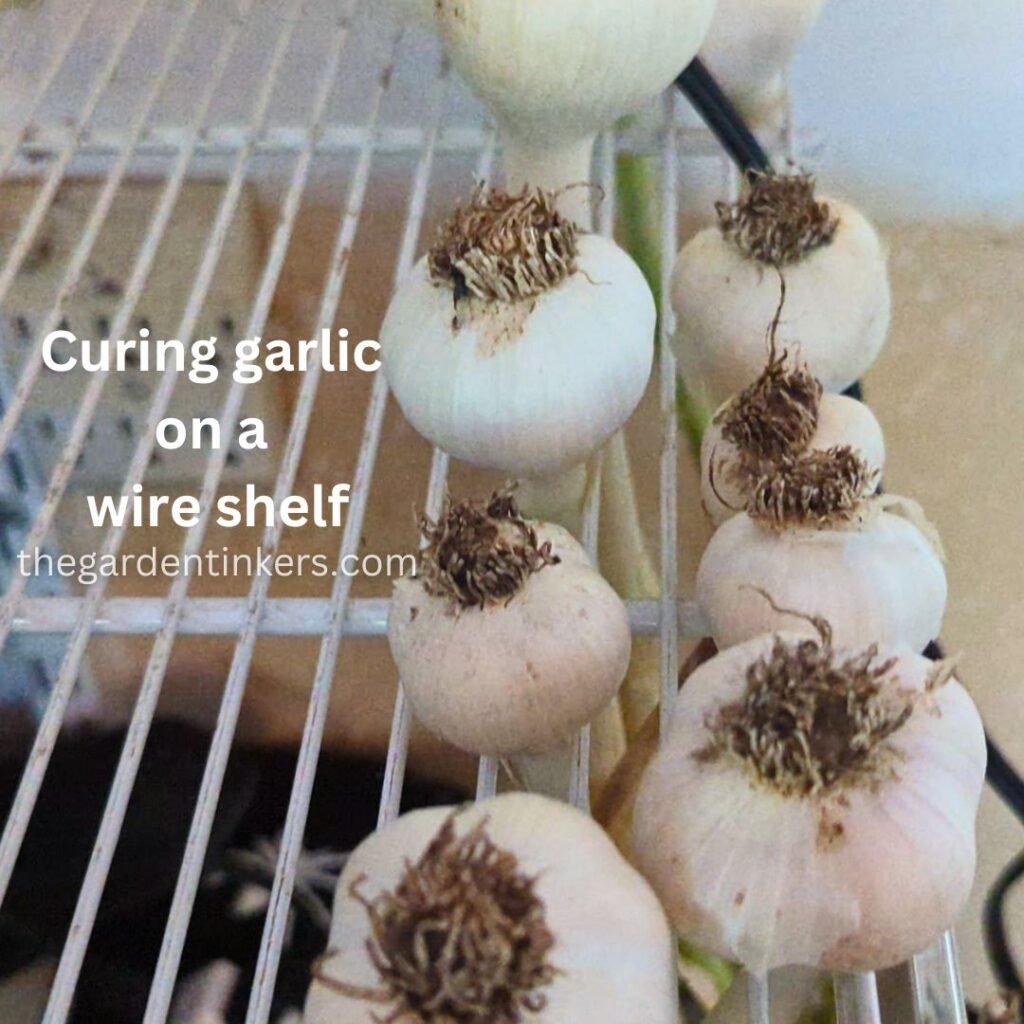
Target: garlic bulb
[507, 640]
[814, 806]
[488, 915]
[810, 542]
[554, 75]
[518, 344]
[783, 413]
[725, 289]
[748, 52]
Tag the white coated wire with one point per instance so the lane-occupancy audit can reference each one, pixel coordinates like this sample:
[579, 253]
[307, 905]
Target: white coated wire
[937, 992]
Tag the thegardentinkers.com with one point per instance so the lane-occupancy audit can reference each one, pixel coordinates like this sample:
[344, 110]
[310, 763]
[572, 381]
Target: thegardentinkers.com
[89, 567]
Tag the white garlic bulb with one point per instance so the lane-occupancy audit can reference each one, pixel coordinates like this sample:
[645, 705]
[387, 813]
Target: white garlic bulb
[814, 806]
[519, 345]
[749, 51]
[838, 421]
[554, 75]
[725, 289]
[508, 640]
[488, 915]
[876, 578]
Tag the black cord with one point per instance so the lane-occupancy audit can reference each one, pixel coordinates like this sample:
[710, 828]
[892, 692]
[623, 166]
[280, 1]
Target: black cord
[717, 111]
[996, 943]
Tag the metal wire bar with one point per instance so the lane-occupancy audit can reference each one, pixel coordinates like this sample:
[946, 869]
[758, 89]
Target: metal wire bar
[938, 991]
[84, 917]
[669, 649]
[857, 999]
[69, 282]
[290, 616]
[46, 737]
[758, 1007]
[162, 988]
[280, 139]
[312, 736]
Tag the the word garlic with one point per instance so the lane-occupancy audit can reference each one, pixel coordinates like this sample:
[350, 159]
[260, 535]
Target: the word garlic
[488, 915]
[507, 640]
[813, 540]
[726, 287]
[519, 344]
[781, 415]
[814, 806]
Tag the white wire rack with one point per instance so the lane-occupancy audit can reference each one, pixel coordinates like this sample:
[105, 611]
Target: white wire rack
[88, 128]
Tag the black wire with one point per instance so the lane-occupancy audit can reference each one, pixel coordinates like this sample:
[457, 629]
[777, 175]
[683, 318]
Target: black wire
[717, 111]
[996, 943]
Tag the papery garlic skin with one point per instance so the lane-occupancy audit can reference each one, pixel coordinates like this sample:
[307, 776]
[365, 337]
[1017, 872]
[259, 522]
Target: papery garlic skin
[614, 953]
[519, 677]
[748, 53]
[841, 421]
[745, 872]
[531, 387]
[836, 315]
[877, 581]
[555, 72]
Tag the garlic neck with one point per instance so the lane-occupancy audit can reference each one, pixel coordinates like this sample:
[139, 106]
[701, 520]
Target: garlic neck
[565, 171]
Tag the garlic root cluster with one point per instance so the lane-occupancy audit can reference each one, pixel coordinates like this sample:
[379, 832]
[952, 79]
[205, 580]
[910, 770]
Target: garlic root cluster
[487, 915]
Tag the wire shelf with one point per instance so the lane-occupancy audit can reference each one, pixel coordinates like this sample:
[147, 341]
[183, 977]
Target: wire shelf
[120, 90]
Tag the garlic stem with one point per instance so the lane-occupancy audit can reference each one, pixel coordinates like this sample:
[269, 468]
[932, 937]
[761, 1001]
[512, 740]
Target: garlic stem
[564, 170]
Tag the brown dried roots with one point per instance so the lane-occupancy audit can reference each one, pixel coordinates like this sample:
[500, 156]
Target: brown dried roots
[813, 488]
[462, 939]
[503, 248]
[809, 722]
[480, 553]
[776, 415]
[778, 221]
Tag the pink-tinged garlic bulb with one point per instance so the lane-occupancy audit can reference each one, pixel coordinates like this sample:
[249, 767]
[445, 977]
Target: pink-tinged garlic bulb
[516, 910]
[726, 287]
[814, 806]
[783, 413]
[507, 639]
[748, 50]
[814, 539]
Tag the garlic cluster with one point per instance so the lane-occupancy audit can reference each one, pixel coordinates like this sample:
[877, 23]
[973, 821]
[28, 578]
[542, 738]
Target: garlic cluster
[749, 51]
[814, 806]
[727, 280]
[781, 415]
[519, 344]
[507, 640]
[488, 915]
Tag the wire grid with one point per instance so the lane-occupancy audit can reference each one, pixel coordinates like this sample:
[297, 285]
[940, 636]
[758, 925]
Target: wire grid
[936, 991]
